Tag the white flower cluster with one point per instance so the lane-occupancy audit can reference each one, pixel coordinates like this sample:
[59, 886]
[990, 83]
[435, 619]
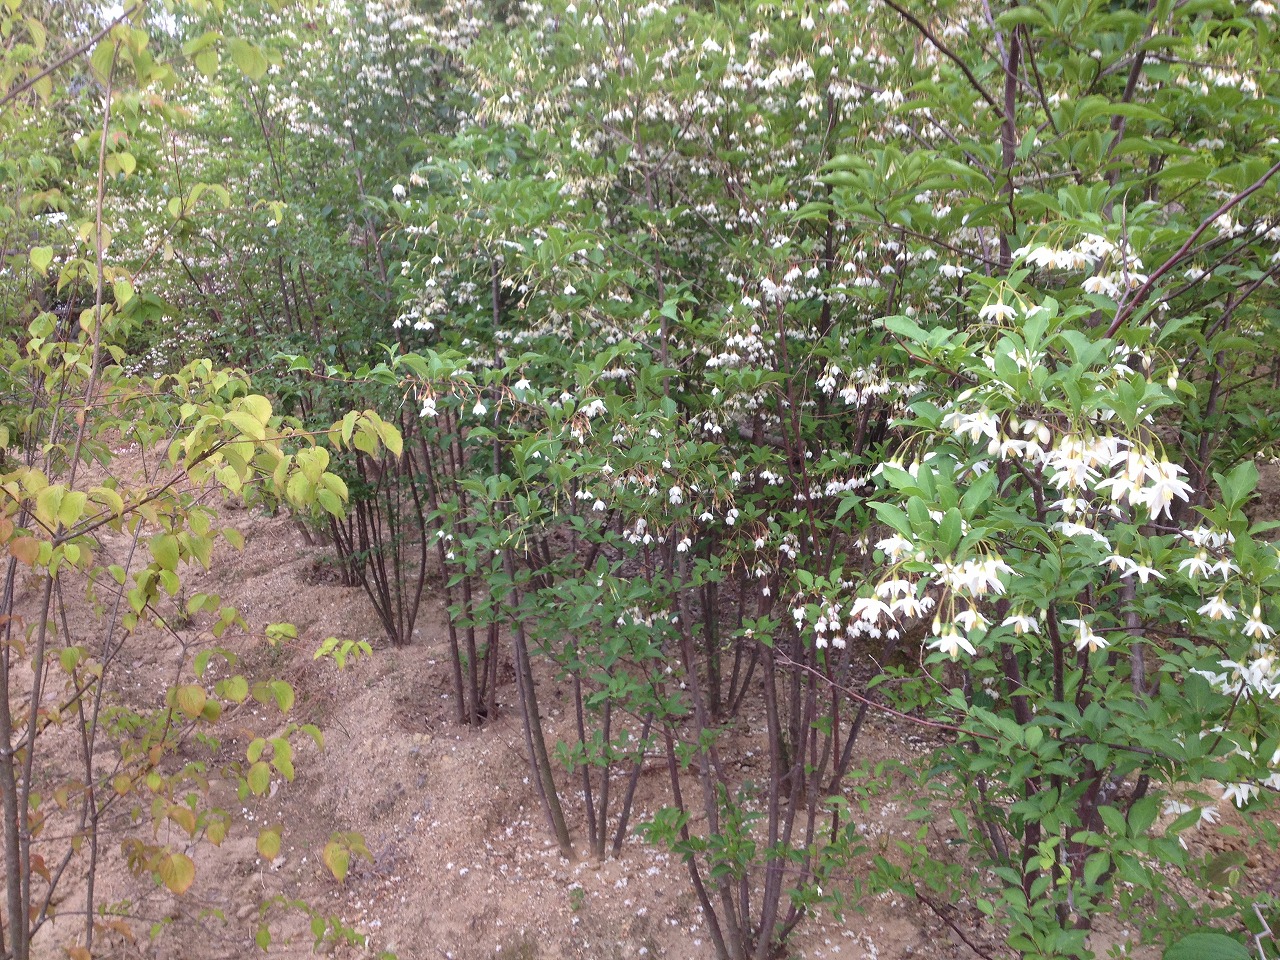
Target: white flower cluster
[1258, 674]
[857, 388]
[1078, 463]
[1116, 269]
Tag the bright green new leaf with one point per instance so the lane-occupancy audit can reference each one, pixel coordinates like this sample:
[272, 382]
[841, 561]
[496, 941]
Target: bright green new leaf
[251, 61]
[41, 257]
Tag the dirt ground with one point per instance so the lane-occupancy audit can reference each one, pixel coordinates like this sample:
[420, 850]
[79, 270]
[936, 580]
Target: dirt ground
[462, 865]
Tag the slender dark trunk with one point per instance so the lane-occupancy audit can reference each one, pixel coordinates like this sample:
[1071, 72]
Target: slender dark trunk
[535, 739]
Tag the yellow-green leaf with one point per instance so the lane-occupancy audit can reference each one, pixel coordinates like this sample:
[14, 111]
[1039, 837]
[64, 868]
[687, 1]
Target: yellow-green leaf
[337, 858]
[258, 406]
[184, 817]
[48, 501]
[176, 871]
[366, 440]
[330, 503]
[207, 62]
[71, 510]
[391, 437]
[313, 462]
[41, 257]
[259, 778]
[109, 499]
[251, 61]
[349, 426]
[216, 831]
[190, 699]
[235, 689]
[269, 843]
[247, 424]
[39, 35]
[315, 733]
[283, 694]
[203, 42]
[164, 548]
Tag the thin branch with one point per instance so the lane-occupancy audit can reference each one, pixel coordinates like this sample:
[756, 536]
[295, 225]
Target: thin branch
[57, 65]
[945, 51]
[784, 660]
[937, 911]
[1145, 290]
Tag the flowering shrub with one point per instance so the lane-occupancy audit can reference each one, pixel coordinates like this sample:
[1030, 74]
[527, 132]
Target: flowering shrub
[1103, 663]
[792, 354]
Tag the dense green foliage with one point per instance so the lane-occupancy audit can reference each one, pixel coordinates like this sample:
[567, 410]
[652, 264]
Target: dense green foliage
[741, 367]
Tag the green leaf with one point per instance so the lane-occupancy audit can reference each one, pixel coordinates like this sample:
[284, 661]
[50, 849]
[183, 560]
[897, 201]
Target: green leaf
[1207, 946]
[1220, 869]
[283, 694]
[251, 61]
[235, 689]
[894, 517]
[164, 548]
[207, 62]
[1237, 485]
[949, 529]
[41, 257]
[259, 778]
[1114, 820]
[1142, 815]
[978, 494]
[906, 328]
